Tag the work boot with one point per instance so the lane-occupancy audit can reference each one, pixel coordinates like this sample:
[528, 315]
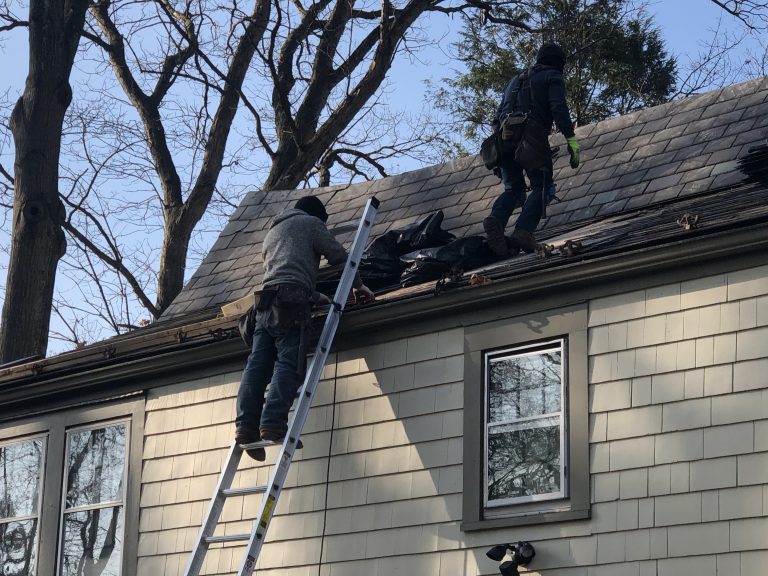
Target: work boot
[524, 240]
[277, 436]
[494, 233]
[249, 437]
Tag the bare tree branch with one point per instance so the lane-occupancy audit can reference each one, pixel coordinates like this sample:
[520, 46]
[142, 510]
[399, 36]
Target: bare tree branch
[752, 13]
[115, 260]
[11, 20]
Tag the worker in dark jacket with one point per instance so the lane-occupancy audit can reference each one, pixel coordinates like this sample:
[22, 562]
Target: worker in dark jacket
[291, 255]
[542, 92]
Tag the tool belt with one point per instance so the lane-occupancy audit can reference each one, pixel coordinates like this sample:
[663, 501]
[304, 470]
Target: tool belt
[287, 305]
[530, 138]
[284, 306]
[512, 126]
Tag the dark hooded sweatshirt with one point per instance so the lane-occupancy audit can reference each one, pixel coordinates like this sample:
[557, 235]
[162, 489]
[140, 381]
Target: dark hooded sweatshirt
[293, 247]
[549, 105]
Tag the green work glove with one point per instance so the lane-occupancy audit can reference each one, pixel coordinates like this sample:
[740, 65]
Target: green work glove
[573, 148]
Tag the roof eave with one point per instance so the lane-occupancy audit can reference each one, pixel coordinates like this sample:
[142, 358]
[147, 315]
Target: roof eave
[143, 366]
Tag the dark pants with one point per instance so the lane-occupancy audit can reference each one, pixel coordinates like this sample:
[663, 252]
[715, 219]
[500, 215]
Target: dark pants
[277, 358]
[514, 190]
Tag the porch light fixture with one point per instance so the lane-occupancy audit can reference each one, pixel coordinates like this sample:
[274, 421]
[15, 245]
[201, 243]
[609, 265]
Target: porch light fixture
[521, 554]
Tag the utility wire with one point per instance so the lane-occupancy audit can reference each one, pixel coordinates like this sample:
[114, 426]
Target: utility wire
[328, 466]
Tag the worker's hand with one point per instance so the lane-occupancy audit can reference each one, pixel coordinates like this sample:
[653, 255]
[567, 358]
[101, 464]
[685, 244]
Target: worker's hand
[321, 299]
[364, 294]
[573, 149]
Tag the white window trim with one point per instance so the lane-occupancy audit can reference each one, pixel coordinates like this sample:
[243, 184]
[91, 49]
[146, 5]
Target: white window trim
[529, 349]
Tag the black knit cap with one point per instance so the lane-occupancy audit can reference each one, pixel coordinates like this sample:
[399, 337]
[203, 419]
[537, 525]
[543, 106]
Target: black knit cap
[551, 54]
[312, 206]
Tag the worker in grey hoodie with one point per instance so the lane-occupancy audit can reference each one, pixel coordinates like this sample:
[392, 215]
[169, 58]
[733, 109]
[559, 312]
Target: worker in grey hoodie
[292, 250]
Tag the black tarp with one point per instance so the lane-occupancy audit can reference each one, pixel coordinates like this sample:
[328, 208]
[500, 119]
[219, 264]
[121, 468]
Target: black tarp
[381, 266]
[457, 256]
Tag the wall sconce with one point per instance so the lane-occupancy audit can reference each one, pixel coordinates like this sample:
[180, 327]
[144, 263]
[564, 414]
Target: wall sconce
[521, 554]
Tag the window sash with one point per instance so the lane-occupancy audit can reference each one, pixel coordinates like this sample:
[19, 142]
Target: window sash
[43, 438]
[528, 422]
[64, 511]
[99, 506]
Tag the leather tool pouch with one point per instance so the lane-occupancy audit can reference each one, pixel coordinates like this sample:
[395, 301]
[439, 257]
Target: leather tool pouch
[513, 125]
[533, 150]
[290, 306]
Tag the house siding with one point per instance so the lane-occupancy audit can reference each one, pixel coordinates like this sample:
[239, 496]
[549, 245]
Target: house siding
[678, 402]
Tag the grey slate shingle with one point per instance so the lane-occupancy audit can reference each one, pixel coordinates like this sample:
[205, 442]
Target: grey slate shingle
[631, 162]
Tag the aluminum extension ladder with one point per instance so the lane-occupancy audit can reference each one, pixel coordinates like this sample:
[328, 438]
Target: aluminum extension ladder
[272, 490]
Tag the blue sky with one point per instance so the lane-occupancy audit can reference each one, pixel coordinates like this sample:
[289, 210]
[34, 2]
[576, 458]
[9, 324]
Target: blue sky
[685, 24]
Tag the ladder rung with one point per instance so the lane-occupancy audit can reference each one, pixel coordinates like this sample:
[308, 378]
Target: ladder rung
[259, 444]
[279, 474]
[244, 491]
[230, 538]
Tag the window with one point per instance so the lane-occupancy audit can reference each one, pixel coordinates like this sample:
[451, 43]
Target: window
[21, 469]
[69, 491]
[526, 452]
[94, 501]
[525, 425]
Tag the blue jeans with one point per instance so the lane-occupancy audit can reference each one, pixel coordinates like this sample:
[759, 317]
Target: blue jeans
[514, 190]
[276, 358]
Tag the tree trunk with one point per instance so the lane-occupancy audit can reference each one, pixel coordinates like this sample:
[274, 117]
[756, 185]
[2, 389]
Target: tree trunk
[173, 256]
[38, 240]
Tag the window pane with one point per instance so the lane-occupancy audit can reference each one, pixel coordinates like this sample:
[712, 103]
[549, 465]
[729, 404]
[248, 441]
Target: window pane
[17, 547]
[20, 478]
[524, 385]
[92, 542]
[96, 462]
[523, 461]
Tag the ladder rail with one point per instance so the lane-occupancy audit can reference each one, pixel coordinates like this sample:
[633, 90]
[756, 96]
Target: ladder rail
[197, 558]
[285, 455]
[307, 391]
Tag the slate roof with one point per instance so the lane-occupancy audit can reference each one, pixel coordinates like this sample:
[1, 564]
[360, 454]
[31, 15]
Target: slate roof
[649, 159]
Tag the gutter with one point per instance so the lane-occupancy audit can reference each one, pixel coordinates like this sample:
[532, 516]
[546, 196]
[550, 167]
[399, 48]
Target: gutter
[150, 357]
[131, 374]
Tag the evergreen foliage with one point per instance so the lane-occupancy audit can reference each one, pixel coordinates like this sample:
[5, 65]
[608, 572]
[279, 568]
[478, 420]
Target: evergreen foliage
[617, 62]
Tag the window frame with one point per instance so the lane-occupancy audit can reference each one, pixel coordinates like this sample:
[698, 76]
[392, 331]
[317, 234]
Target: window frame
[55, 425]
[568, 324]
[123, 502]
[561, 415]
[41, 483]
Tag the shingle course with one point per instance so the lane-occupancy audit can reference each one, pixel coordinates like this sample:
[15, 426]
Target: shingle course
[696, 174]
[663, 183]
[638, 201]
[664, 194]
[633, 191]
[697, 186]
[680, 148]
[664, 170]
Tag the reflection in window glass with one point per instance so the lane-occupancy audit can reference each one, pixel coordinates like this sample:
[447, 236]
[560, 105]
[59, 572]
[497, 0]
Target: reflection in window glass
[95, 471]
[92, 530]
[524, 428]
[20, 480]
[523, 386]
[523, 461]
[93, 542]
[18, 547]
